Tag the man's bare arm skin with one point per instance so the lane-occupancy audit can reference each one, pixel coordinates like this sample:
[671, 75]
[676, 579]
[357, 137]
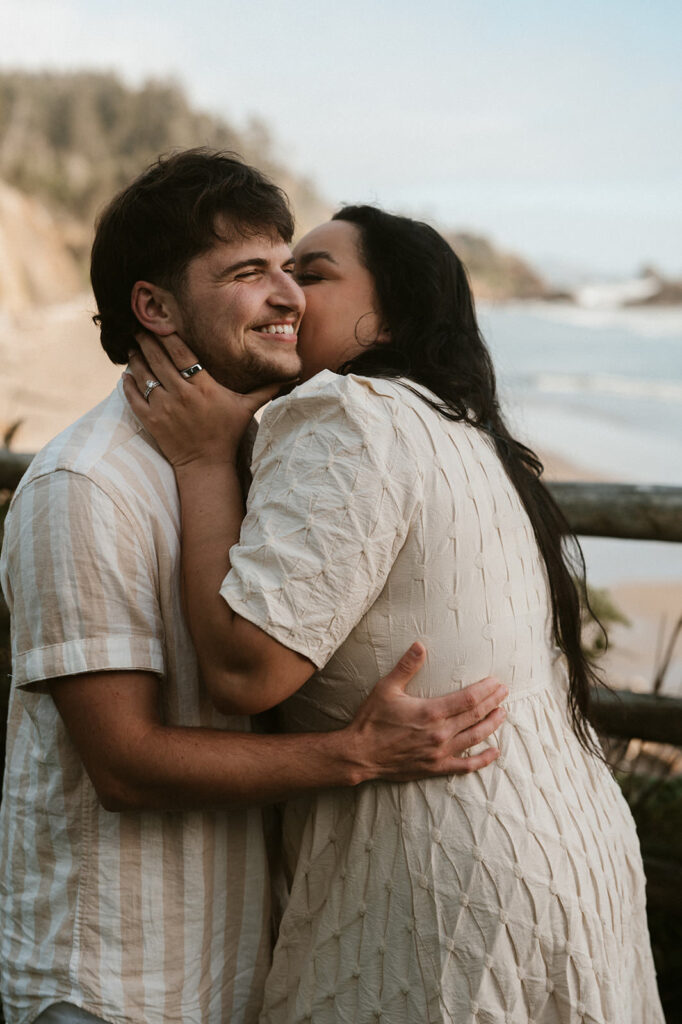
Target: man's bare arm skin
[136, 763]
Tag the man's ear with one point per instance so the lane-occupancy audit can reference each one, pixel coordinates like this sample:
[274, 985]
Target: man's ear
[155, 308]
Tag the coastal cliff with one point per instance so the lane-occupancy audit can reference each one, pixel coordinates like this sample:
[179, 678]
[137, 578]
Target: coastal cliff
[69, 141]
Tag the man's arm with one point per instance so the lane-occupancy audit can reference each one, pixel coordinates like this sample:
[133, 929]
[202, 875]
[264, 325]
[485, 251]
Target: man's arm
[136, 763]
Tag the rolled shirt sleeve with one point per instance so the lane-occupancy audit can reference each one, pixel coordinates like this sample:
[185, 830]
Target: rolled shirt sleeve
[334, 489]
[82, 591]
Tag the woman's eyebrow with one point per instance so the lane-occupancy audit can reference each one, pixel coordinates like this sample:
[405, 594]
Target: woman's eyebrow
[308, 257]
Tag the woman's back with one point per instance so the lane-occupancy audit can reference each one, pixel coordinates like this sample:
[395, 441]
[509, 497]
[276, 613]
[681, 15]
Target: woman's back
[510, 895]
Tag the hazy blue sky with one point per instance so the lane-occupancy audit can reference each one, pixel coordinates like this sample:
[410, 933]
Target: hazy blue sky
[553, 127]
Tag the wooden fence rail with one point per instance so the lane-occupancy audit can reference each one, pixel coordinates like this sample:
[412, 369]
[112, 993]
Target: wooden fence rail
[628, 511]
[644, 716]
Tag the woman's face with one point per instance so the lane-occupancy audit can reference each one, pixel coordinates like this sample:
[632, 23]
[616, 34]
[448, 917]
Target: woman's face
[341, 317]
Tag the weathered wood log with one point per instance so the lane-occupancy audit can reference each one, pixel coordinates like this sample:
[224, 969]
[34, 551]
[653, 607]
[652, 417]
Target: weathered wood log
[643, 716]
[630, 511]
[13, 465]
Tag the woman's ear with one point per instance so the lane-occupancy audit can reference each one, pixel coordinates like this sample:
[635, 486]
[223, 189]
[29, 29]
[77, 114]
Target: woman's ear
[155, 308]
[384, 334]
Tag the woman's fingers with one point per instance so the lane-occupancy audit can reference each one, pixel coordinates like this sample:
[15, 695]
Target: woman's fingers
[179, 353]
[134, 394]
[139, 371]
[159, 361]
[255, 399]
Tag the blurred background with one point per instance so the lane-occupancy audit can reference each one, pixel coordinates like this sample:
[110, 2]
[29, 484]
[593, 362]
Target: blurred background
[542, 138]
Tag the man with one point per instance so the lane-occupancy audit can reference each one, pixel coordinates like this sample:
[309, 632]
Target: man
[134, 876]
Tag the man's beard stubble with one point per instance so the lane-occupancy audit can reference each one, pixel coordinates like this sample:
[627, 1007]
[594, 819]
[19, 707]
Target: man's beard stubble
[252, 370]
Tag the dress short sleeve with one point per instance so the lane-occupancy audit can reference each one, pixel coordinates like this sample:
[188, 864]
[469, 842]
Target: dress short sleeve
[334, 490]
[83, 595]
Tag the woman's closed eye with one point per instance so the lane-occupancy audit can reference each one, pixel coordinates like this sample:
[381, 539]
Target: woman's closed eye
[307, 277]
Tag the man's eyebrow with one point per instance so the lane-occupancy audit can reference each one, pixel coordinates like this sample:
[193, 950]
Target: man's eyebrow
[308, 257]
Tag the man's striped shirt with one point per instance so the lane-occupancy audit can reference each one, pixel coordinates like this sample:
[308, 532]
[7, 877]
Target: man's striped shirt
[148, 918]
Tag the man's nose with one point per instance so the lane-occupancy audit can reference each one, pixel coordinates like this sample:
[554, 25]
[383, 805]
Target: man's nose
[287, 292]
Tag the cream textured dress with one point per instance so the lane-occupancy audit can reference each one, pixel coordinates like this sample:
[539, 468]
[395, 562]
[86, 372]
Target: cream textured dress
[510, 896]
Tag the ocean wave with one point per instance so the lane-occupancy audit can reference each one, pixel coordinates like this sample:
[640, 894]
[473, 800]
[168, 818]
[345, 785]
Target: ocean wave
[643, 321]
[606, 384]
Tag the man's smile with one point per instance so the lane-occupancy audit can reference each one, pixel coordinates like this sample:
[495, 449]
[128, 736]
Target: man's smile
[284, 329]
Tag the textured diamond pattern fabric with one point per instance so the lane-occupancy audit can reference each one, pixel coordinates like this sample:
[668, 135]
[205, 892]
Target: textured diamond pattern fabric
[511, 896]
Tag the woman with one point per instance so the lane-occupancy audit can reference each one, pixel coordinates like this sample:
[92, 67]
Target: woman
[389, 501]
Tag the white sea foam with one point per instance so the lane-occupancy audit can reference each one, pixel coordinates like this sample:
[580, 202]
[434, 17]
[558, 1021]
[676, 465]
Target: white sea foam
[644, 321]
[607, 384]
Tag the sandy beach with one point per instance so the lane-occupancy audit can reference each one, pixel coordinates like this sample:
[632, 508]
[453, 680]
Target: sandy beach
[54, 370]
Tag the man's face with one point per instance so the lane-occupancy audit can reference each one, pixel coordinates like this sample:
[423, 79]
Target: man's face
[239, 311]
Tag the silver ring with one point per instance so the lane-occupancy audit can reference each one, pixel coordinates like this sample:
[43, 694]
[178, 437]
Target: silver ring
[151, 384]
[191, 370]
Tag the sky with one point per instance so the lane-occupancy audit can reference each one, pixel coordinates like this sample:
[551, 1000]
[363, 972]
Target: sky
[552, 128]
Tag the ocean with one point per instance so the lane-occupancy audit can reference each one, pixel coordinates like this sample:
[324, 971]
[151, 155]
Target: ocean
[603, 389]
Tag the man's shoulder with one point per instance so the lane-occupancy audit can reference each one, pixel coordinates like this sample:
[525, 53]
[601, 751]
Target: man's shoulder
[107, 445]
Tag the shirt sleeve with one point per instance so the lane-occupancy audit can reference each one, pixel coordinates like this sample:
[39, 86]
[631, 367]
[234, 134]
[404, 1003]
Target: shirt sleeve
[335, 487]
[82, 593]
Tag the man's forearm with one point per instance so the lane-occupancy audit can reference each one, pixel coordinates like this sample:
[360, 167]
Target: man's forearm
[188, 768]
[137, 763]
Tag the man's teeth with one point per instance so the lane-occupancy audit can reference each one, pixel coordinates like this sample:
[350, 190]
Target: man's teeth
[277, 329]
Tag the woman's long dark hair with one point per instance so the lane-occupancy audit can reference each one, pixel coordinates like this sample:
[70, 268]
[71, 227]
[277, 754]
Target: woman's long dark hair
[424, 300]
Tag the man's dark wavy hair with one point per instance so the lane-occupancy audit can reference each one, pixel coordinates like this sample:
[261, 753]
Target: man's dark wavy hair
[424, 300]
[168, 215]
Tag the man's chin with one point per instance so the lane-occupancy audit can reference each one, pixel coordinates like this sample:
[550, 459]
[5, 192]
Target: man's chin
[259, 374]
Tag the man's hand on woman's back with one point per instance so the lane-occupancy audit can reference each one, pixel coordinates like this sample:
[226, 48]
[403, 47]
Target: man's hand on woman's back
[398, 737]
